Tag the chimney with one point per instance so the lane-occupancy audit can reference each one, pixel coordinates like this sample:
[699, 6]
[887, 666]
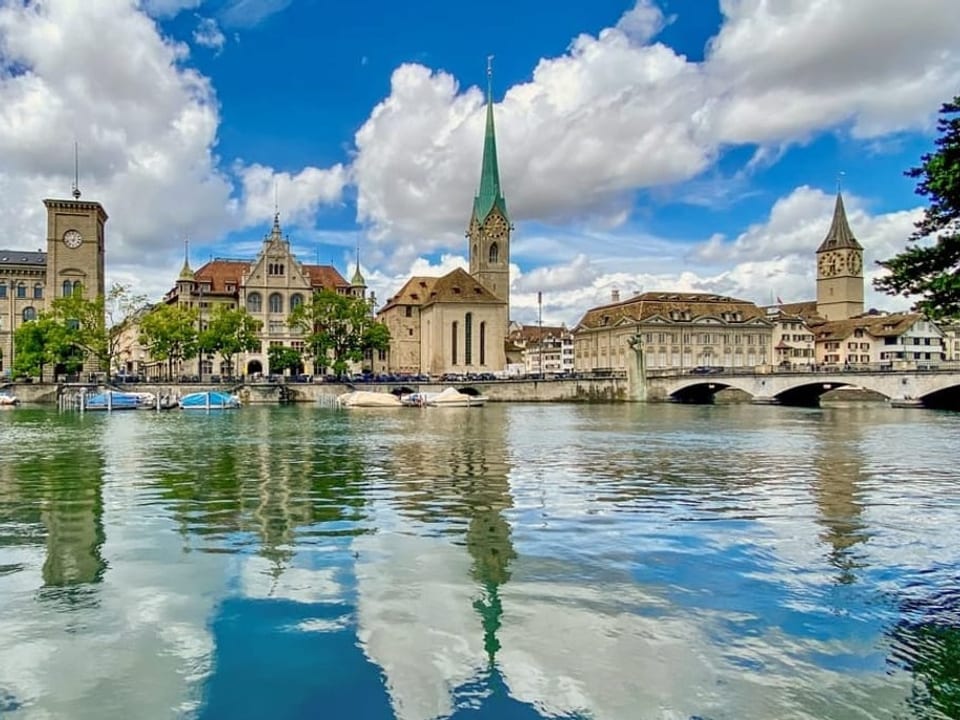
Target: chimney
[614, 295]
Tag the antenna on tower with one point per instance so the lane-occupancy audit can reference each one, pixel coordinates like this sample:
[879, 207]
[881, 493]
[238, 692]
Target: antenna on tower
[840, 181]
[76, 170]
[489, 78]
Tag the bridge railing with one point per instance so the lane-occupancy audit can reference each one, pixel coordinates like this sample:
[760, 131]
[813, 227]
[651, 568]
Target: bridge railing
[923, 366]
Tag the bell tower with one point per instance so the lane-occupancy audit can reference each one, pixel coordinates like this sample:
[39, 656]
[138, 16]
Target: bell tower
[488, 231]
[74, 247]
[839, 269]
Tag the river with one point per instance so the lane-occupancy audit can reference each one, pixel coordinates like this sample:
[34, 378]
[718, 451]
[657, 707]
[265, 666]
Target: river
[508, 562]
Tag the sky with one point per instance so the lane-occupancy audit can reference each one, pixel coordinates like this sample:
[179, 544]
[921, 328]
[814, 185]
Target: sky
[679, 145]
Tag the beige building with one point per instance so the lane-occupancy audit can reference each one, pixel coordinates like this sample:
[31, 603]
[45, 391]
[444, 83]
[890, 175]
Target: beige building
[458, 323]
[72, 261]
[897, 340]
[793, 340]
[545, 349]
[679, 331]
[269, 286]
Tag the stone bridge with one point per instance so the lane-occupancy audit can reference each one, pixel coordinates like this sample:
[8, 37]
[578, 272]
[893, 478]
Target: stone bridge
[938, 388]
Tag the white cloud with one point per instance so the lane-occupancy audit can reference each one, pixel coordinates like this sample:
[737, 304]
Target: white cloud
[168, 8]
[297, 196]
[247, 13]
[615, 114]
[208, 34]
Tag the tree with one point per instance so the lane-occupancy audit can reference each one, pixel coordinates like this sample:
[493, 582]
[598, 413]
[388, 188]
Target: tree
[169, 332]
[338, 327]
[121, 306]
[41, 342]
[229, 332]
[84, 321]
[932, 269]
[280, 358]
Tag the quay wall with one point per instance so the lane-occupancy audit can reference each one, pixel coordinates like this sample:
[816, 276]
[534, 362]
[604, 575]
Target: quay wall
[572, 390]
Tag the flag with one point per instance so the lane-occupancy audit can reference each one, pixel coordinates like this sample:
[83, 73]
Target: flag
[779, 301]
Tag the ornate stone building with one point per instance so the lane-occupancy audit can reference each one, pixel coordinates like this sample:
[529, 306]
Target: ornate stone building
[458, 323]
[73, 261]
[269, 286]
[679, 331]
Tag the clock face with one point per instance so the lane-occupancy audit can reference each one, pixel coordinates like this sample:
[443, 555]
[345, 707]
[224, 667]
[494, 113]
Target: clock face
[854, 264]
[497, 228]
[828, 264]
[72, 238]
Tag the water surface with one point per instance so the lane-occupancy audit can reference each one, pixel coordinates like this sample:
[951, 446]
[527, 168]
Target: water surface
[513, 561]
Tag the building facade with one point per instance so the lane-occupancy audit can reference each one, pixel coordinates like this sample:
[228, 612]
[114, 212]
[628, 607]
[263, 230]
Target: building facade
[678, 331]
[896, 340]
[543, 349]
[457, 324]
[73, 261]
[270, 286]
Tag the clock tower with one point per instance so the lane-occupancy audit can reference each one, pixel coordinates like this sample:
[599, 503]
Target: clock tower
[489, 229]
[839, 270]
[74, 247]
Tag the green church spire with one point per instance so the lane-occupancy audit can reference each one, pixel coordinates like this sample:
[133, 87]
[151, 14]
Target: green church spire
[490, 194]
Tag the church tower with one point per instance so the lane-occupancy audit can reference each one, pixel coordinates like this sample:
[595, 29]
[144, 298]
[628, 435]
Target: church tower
[74, 247]
[839, 270]
[489, 229]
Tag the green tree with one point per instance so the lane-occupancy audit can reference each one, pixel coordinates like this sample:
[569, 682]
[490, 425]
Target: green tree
[338, 327]
[121, 306]
[230, 332]
[169, 332]
[40, 342]
[280, 358]
[931, 270]
[84, 321]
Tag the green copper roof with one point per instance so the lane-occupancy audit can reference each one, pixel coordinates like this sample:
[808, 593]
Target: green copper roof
[357, 279]
[185, 272]
[840, 235]
[490, 195]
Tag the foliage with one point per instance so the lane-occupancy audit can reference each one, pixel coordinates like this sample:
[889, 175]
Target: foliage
[84, 323]
[932, 269]
[280, 358]
[229, 332]
[169, 332]
[121, 306]
[41, 342]
[338, 327]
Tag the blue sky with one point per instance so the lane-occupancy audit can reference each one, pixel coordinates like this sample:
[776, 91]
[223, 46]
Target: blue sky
[678, 144]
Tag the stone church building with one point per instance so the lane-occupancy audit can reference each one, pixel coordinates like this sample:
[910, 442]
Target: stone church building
[458, 323]
[73, 261]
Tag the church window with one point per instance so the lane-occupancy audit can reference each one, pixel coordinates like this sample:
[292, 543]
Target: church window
[3, 290]
[296, 300]
[254, 302]
[483, 343]
[67, 288]
[29, 313]
[468, 339]
[276, 303]
[21, 290]
[494, 253]
[77, 287]
[455, 328]
[37, 291]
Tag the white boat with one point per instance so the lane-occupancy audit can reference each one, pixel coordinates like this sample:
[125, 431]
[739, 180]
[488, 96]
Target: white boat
[450, 397]
[365, 398]
[7, 400]
[209, 400]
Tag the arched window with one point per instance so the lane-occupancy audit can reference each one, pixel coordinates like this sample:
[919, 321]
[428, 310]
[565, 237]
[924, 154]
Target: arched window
[77, 287]
[453, 338]
[254, 302]
[494, 253]
[29, 313]
[276, 303]
[67, 288]
[38, 292]
[296, 300]
[483, 343]
[468, 339]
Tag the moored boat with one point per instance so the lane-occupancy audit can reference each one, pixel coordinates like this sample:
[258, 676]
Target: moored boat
[112, 400]
[209, 400]
[8, 400]
[450, 397]
[365, 398]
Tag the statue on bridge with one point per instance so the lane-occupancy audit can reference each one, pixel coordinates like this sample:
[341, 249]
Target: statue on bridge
[637, 370]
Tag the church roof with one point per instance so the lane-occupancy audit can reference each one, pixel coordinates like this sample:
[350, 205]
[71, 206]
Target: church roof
[840, 235]
[490, 194]
[660, 304]
[456, 286]
[185, 272]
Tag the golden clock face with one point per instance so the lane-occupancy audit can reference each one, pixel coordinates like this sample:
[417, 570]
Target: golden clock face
[828, 264]
[72, 238]
[497, 228]
[854, 264]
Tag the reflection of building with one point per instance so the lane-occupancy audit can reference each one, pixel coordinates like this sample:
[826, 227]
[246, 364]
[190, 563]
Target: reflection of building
[458, 322]
[269, 286]
[679, 330]
[73, 260]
